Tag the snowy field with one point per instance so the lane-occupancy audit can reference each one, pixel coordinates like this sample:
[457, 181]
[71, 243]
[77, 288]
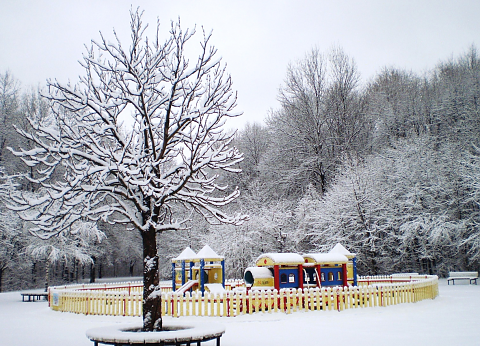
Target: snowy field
[453, 318]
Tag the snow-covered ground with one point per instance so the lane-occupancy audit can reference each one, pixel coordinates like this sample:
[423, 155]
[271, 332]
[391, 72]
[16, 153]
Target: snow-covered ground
[453, 318]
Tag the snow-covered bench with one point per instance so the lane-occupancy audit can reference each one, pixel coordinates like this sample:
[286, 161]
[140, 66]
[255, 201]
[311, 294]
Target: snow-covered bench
[175, 333]
[471, 276]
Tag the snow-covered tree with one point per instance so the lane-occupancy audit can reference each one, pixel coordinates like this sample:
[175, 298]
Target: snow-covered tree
[270, 229]
[73, 246]
[397, 211]
[276, 227]
[320, 119]
[135, 173]
[351, 213]
[10, 100]
[398, 105]
[470, 170]
[252, 141]
[11, 240]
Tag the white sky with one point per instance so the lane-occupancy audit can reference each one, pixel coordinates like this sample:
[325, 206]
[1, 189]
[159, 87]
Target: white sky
[42, 39]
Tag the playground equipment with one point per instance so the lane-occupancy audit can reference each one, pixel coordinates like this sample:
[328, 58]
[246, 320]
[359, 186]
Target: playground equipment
[202, 271]
[338, 267]
[289, 270]
[286, 270]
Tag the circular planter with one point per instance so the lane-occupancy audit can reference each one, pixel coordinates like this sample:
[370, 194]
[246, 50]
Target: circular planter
[174, 333]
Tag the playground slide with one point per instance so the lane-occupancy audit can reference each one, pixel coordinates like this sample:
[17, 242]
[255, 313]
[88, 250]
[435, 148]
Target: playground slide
[215, 288]
[188, 285]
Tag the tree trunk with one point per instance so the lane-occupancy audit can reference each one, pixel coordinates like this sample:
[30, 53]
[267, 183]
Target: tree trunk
[64, 272]
[34, 277]
[47, 274]
[152, 317]
[132, 264]
[92, 270]
[1, 277]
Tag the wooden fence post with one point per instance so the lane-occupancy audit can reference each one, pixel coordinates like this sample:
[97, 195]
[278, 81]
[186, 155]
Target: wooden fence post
[289, 305]
[250, 302]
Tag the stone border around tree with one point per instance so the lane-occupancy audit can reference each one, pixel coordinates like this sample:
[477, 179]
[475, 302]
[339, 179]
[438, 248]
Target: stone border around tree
[175, 333]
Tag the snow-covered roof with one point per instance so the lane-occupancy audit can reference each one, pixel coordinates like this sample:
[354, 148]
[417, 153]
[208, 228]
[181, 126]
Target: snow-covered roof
[325, 258]
[208, 254]
[259, 272]
[340, 249]
[187, 254]
[271, 258]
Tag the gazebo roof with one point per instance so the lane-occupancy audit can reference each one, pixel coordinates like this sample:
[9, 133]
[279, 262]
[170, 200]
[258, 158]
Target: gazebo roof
[187, 254]
[339, 248]
[206, 253]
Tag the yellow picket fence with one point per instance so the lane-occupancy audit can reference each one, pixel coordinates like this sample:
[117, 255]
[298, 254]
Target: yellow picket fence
[371, 292]
[97, 302]
[118, 299]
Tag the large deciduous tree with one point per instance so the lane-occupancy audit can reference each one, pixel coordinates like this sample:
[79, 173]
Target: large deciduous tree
[320, 120]
[141, 174]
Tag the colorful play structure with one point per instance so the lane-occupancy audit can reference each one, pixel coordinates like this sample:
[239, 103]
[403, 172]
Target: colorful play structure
[290, 270]
[204, 271]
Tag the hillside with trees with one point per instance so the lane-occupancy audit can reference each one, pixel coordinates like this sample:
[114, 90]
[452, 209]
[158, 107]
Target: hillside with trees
[390, 168]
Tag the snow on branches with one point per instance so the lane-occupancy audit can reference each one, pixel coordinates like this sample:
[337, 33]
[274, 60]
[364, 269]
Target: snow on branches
[96, 164]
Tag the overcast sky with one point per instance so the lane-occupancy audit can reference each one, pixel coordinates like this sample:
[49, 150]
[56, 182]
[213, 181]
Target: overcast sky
[42, 39]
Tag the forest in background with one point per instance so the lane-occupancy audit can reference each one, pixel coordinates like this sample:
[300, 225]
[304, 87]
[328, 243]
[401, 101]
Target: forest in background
[389, 168]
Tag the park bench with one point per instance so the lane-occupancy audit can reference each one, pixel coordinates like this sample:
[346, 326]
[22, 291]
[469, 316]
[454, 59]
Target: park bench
[471, 276]
[32, 296]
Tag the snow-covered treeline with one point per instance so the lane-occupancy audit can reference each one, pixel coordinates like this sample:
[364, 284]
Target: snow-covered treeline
[389, 168]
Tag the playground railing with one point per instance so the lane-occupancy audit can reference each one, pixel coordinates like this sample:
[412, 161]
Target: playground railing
[136, 286]
[371, 292]
[234, 283]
